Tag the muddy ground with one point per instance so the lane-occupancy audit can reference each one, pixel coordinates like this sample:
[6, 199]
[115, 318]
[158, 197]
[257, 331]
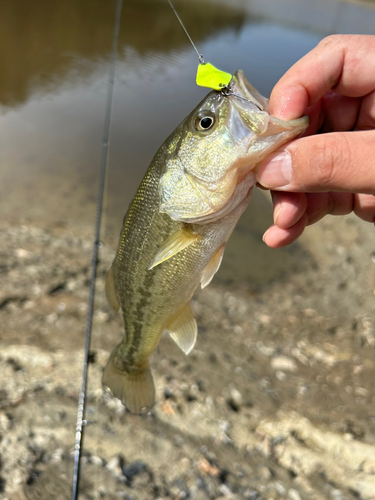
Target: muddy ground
[277, 400]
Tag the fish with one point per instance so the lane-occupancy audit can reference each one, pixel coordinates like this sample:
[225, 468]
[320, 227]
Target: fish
[175, 230]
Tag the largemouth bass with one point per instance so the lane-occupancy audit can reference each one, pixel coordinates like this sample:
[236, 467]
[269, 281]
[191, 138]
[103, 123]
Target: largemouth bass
[175, 230]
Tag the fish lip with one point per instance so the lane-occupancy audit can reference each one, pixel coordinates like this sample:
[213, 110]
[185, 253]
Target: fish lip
[240, 86]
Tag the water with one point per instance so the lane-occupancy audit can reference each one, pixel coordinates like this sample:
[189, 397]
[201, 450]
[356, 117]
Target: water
[52, 96]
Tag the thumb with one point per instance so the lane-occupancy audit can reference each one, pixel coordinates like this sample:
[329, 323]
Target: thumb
[337, 161]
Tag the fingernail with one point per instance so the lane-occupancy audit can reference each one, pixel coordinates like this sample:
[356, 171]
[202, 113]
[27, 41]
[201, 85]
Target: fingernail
[275, 171]
[265, 234]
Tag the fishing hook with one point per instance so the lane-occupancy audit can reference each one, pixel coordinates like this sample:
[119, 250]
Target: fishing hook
[226, 92]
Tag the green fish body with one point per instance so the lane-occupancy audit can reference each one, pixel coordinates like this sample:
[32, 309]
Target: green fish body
[175, 230]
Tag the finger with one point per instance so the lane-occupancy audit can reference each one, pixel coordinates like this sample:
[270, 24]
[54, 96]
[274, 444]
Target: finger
[321, 204]
[364, 206]
[339, 113]
[344, 63]
[339, 161]
[288, 208]
[366, 117]
[275, 237]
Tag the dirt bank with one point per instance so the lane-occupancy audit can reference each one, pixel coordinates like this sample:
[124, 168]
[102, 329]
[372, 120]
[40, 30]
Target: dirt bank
[277, 400]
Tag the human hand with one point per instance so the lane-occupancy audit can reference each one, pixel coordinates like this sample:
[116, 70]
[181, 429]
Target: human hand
[332, 172]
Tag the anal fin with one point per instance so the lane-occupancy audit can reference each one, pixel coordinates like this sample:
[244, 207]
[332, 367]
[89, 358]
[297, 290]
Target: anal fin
[111, 292]
[183, 329]
[213, 266]
[174, 244]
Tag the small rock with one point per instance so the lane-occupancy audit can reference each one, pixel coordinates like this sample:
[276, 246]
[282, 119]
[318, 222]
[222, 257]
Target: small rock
[283, 363]
[265, 473]
[251, 495]
[293, 494]
[114, 466]
[225, 490]
[337, 494]
[368, 467]
[21, 253]
[280, 375]
[131, 470]
[101, 316]
[361, 391]
[57, 456]
[235, 398]
[280, 488]
[94, 459]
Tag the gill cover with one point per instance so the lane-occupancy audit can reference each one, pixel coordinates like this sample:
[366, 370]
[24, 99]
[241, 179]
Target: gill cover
[209, 171]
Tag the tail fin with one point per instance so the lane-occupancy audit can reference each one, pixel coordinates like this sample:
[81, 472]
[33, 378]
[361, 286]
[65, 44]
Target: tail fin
[136, 390]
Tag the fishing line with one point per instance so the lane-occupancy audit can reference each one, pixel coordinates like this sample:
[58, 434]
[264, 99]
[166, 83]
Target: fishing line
[200, 56]
[94, 263]
[225, 91]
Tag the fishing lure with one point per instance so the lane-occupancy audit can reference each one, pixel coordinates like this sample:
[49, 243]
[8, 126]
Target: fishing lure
[210, 76]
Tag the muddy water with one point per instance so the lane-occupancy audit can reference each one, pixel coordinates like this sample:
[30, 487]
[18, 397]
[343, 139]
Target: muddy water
[54, 60]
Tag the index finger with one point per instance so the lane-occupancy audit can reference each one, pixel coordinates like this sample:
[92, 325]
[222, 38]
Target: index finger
[343, 63]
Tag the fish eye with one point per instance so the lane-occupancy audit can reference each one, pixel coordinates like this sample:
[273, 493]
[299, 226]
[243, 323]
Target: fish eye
[204, 122]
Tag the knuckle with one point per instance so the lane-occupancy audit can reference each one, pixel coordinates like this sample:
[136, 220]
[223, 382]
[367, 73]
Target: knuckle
[332, 40]
[329, 159]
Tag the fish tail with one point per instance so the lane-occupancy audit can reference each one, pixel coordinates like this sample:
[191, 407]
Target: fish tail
[135, 389]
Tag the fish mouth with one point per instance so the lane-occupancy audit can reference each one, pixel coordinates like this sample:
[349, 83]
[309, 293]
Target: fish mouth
[239, 86]
[253, 133]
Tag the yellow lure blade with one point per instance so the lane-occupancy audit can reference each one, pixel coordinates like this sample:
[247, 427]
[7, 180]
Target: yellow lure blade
[211, 77]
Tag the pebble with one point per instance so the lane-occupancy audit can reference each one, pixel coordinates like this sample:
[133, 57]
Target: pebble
[283, 363]
[114, 466]
[337, 494]
[293, 494]
[225, 490]
[265, 473]
[21, 253]
[5, 422]
[280, 375]
[280, 488]
[251, 495]
[101, 316]
[57, 456]
[94, 459]
[133, 469]
[235, 398]
[368, 467]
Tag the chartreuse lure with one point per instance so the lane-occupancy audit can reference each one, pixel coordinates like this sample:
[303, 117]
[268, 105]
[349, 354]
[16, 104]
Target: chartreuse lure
[211, 77]
[207, 74]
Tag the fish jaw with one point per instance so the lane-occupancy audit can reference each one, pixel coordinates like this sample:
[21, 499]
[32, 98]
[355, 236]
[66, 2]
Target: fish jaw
[200, 180]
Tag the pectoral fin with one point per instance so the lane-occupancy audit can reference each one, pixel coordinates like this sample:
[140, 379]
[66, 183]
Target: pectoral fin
[174, 244]
[212, 267]
[111, 292]
[183, 329]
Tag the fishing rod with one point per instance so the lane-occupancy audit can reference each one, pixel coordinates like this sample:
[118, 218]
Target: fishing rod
[81, 422]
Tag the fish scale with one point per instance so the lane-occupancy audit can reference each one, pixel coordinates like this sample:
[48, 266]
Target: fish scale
[175, 230]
